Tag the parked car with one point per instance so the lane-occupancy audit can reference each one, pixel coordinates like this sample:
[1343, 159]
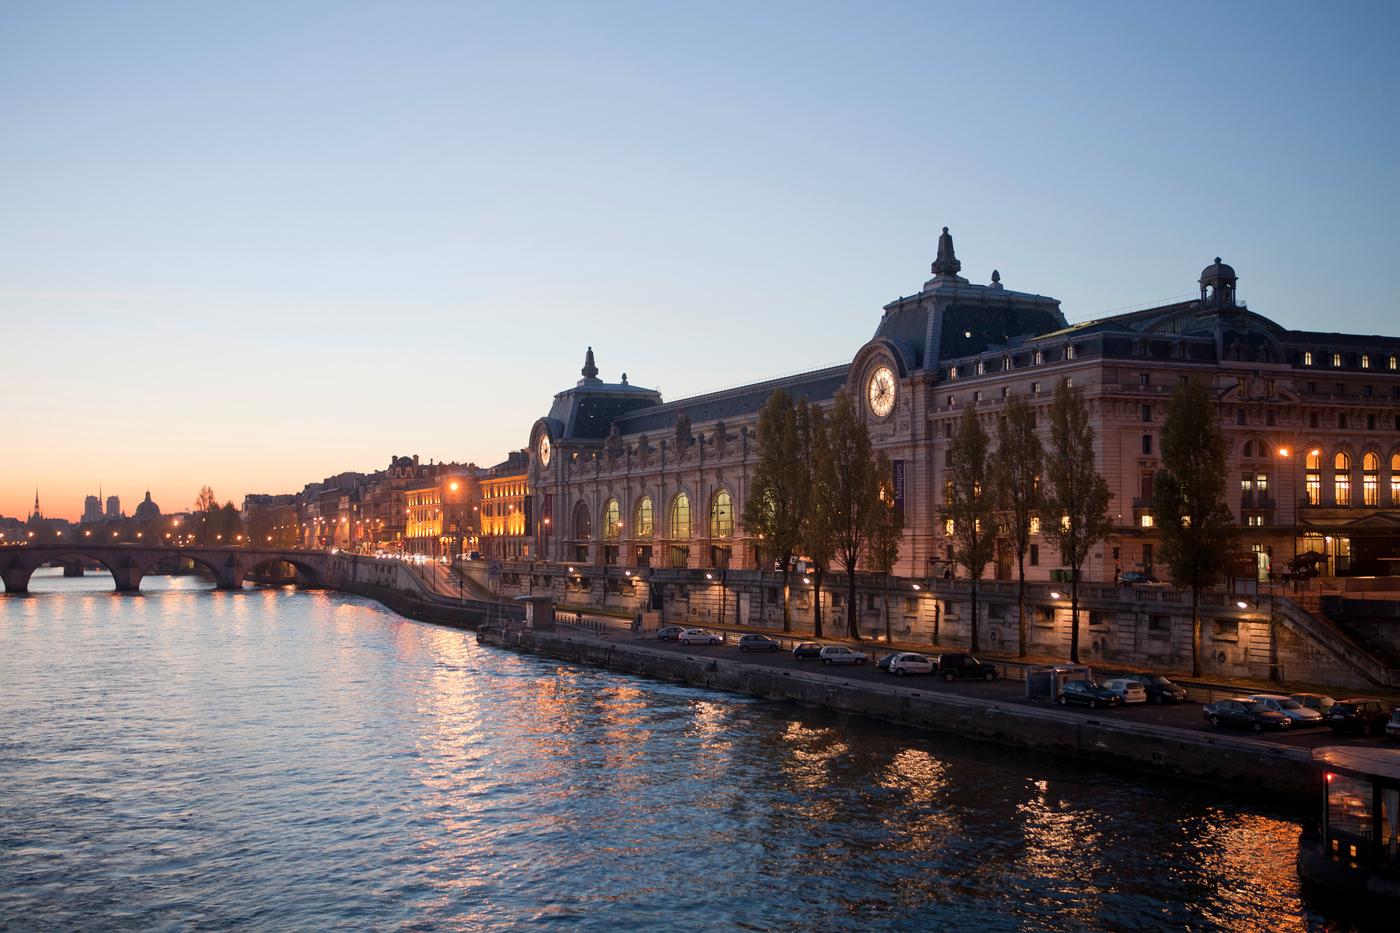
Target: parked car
[807, 650]
[1159, 689]
[1392, 728]
[698, 636]
[474, 555]
[840, 654]
[1135, 576]
[669, 633]
[1300, 714]
[1244, 713]
[907, 662]
[955, 666]
[758, 643]
[1088, 693]
[1127, 691]
[1318, 701]
[1359, 714]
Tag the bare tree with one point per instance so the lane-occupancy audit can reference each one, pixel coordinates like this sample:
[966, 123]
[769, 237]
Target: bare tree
[777, 501]
[1016, 485]
[968, 506]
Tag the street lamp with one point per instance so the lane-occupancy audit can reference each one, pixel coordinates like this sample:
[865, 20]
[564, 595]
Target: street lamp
[1286, 453]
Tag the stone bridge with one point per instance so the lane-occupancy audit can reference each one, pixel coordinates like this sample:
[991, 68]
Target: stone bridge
[129, 563]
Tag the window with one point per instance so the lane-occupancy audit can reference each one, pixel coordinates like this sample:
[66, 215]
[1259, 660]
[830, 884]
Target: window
[1255, 520]
[1307, 357]
[950, 401]
[1391, 363]
[1035, 519]
[981, 368]
[1239, 416]
[1144, 379]
[1341, 478]
[1147, 556]
[612, 520]
[1145, 521]
[1370, 422]
[1069, 351]
[952, 376]
[1336, 361]
[1005, 391]
[1040, 358]
[643, 525]
[1035, 555]
[1147, 444]
[977, 396]
[1368, 390]
[1395, 479]
[947, 429]
[1035, 388]
[1370, 479]
[722, 516]
[1147, 413]
[1365, 361]
[1160, 624]
[680, 516]
[1313, 478]
[1312, 419]
[1269, 418]
[1312, 388]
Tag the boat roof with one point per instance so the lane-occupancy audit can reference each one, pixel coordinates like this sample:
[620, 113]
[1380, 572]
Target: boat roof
[1381, 762]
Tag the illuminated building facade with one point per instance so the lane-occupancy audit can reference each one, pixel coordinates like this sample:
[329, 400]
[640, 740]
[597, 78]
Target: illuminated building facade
[506, 510]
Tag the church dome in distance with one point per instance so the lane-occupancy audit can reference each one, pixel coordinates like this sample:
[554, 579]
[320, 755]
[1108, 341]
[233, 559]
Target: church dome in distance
[1217, 271]
[147, 509]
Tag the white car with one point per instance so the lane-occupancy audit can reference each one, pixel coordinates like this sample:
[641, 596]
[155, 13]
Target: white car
[1300, 714]
[840, 654]
[1129, 691]
[910, 663]
[698, 636]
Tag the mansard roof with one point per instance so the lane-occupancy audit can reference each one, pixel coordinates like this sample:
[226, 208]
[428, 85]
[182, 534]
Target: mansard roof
[736, 403]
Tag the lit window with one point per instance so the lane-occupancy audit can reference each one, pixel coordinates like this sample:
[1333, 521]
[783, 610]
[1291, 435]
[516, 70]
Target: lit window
[1145, 521]
[948, 527]
[1370, 479]
[1336, 361]
[1341, 478]
[1365, 361]
[1392, 362]
[1307, 357]
[1395, 479]
[981, 368]
[1069, 352]
[1035, 524]
[612, 518]
[643, 526]
[721, 516]
[680, 516]
[952, 373]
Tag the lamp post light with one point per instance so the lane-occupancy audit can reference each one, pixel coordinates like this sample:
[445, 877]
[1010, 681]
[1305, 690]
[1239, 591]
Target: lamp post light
[1287, 453]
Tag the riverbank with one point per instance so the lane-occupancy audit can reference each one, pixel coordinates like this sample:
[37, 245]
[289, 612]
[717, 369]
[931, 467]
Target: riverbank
[1281, 772]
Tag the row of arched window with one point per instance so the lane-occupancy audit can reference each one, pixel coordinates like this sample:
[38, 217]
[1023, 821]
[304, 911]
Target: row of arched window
[1342, 477]
[1363, 360]
[678, 518]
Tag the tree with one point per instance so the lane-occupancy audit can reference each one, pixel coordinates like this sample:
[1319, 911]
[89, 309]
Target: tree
[968, 505]
[853, 491]
[818, 537]
[886, 532]
[1077, 504]
[1188, 499]
[777, 497]
[1016, 490]
[206, 501]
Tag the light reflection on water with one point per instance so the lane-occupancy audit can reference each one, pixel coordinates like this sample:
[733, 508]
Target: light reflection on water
[308, 760]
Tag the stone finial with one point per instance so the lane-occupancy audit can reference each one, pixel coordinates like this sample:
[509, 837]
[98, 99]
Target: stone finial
[590, 369]
[947, 262]
[624, 379]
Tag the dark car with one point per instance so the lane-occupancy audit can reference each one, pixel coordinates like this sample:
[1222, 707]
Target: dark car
[1244, 713]
[1159, 689]
[1134, 576]
[952, 667]
[670, 633]
[1358, 714]
[758, 643]
[1088, 693]
[808, 650]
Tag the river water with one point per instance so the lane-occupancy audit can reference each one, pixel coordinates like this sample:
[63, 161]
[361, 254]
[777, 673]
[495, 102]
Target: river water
[306, 760]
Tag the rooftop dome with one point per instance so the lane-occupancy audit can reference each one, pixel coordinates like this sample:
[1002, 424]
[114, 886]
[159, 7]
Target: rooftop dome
[148, 509]
[1217, 271]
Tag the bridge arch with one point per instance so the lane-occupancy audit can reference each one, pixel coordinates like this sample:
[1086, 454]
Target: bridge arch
[306, 574]
[17, 567]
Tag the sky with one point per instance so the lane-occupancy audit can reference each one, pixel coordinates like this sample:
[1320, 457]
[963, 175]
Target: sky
[252, 245]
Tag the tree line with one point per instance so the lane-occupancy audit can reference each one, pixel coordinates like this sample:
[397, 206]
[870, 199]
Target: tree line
[819, 490]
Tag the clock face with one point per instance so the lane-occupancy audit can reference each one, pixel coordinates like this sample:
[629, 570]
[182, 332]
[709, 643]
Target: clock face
[882, 388]
[545, 450]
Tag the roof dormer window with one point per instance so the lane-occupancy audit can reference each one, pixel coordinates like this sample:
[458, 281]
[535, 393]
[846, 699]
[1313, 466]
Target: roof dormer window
[1336, 361]
[1307, 357]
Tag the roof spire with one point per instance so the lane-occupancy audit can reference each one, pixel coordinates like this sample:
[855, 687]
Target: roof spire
[590, 369]
[947, 262]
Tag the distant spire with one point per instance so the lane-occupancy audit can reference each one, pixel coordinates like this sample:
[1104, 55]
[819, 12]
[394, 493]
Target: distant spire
[36, 501]
[590, 369]
[947, 262]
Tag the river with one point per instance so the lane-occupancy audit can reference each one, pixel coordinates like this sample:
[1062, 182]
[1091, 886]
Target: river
[301, 759]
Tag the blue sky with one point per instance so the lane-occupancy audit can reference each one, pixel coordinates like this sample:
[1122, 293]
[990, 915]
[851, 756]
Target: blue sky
[254, 244]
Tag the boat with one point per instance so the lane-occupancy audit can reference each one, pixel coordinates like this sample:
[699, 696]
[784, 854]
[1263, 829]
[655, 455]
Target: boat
[1355, 848]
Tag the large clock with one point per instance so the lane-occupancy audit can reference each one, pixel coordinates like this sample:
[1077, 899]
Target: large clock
[545, 449]
[881, 392]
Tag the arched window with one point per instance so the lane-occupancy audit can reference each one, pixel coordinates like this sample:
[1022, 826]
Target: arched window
[1336, 361]
[1341, 478]
[643, 524]
[1395, 479]
[680, 516]
[722, 516]
[1370, 479]
[583, 522]
[1307, 357]
[1313, 477]
[612, 520]
[1365, 361]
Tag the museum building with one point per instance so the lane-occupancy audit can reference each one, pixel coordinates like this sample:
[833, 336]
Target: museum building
[621, 481]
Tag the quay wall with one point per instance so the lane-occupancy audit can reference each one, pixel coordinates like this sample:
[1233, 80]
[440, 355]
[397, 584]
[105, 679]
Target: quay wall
[1283, 772]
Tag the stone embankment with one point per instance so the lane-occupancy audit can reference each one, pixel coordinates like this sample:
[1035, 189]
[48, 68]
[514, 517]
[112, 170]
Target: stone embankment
[1260, 767]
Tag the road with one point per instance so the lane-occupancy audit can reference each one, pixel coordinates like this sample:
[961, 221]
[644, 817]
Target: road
[1185, 715]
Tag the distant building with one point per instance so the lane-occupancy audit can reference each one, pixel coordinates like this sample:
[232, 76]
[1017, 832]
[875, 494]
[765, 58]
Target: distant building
[505, 509]
[92, 509]
[114, 507]
[148, 511]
